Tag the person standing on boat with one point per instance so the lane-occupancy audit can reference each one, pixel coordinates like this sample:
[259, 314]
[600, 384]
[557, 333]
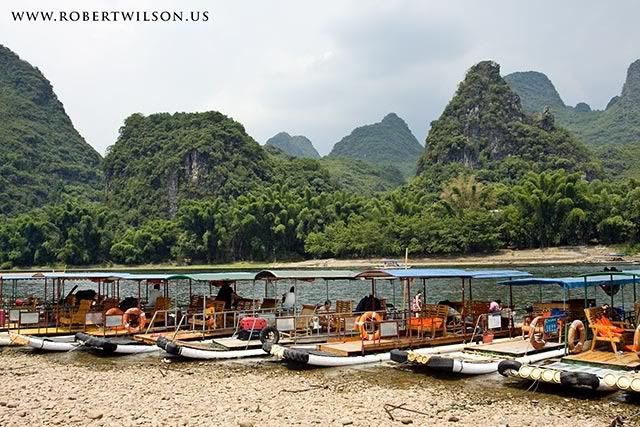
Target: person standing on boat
[289, 299]
[154, 294]
[226, 294]
[416, 304]
[495, 306]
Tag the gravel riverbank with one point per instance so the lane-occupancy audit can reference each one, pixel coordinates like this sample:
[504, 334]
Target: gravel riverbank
[80, 389]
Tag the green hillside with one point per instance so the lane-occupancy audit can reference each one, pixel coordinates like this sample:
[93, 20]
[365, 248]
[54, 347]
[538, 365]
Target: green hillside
[484, 129]
[613, 134]
[389, 142]
[162, 159]
[360, 177]
[296, 146]
[42, 156]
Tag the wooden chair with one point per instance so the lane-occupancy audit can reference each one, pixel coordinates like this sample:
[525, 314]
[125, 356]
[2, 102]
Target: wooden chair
[247, 304]
[431, 318]
[604, 329]
[343, 306]
[346, 320]
[269, 304]
[211, 317]
[302, 321]
[162, 304]
[108, 303]
[77, 316]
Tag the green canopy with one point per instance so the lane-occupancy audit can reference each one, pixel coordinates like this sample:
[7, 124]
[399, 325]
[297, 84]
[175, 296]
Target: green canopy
[221, 277]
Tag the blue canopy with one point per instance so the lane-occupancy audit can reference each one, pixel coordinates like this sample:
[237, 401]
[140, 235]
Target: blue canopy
[498, 274]
[572, 282]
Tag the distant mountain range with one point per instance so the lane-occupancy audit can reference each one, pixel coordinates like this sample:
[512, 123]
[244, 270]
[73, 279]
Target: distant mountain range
[388, 143]
[42, 156]
[295, 146]
[497, 128]
[613, 133]
[485, 130]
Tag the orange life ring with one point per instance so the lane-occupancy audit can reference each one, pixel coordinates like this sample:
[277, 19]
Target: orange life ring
[636, 341]
[536, 342]
[369, 316]
[142, 320]
[576, 347]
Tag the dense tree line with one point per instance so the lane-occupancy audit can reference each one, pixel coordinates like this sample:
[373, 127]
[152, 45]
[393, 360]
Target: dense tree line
[277, 222]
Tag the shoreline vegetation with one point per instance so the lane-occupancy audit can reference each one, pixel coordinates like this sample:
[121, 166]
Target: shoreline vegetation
[506, 257]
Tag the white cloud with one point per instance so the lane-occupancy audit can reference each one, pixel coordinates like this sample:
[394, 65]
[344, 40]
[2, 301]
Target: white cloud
[317, 69]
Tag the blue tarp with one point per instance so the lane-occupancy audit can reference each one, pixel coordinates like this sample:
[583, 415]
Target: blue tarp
[572, 282]
[435, 273]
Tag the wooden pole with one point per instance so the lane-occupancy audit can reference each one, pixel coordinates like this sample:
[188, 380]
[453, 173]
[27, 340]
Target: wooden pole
[511, 295]
[611, 287]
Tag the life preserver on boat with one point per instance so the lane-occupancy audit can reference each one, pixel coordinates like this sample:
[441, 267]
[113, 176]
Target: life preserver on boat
[142, 320]
[369, 316]
[537, 342]
[115, 311]
[636, 341]
[576, 347]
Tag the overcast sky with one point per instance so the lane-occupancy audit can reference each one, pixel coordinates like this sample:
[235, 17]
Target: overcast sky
[316, 68]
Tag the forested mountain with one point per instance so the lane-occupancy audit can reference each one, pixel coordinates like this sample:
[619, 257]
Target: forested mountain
[484, 129]
[536, 91]
[42, 156]
[296, 146]
[389, 142]
[162, 159]
[195, 188]
[613, 133]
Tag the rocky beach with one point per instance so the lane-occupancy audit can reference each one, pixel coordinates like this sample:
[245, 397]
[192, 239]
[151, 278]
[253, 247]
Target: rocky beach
[78, 389]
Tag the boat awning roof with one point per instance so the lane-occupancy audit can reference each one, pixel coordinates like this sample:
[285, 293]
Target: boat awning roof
[144, 276]
[439, 273]
[102, 276]
[572, 282]
[220, 277]
[21, 276]
[308, 275]
[497, 274]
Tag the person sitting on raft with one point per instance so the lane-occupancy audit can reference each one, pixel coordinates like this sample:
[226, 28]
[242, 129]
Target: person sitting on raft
[226, 294]
[289, 299]
[452, 313]
[368, 303]
[154, 294]
[495, 306]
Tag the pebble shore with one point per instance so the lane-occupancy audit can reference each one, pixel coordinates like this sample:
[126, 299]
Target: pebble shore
[79, 390]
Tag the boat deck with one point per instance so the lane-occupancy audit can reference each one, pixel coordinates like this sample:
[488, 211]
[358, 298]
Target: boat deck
[191, 335]
[61, 330]
[516, 348]
[605, 359]
[598, 370]
[355, 348]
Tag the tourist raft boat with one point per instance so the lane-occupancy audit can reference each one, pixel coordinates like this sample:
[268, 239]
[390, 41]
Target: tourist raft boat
[608, 364]
[48, 322]
[292, 328]
[379, 331]
[542, 338]
[92, 314]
